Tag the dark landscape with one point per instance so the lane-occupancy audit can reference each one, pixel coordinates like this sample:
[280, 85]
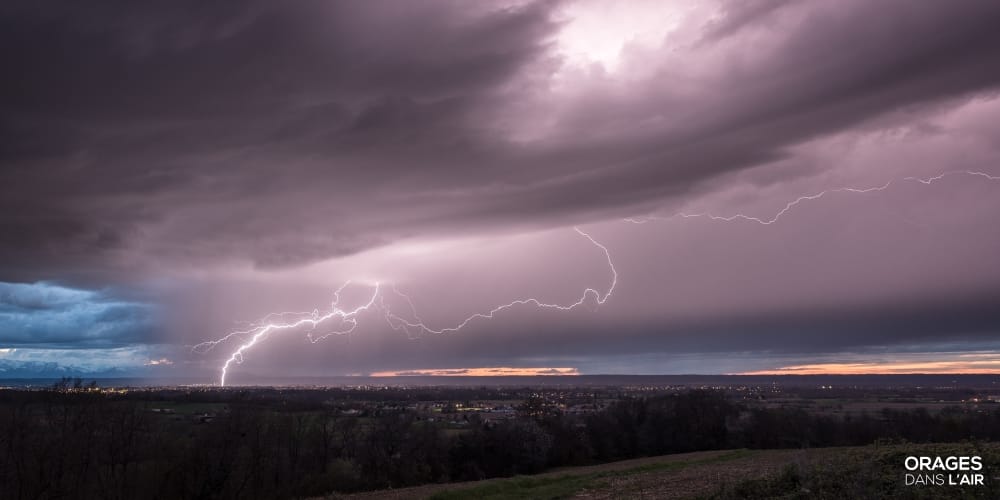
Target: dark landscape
[83, 438]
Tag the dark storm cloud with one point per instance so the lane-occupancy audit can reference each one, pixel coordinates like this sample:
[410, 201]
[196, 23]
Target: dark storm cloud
[148, 152]
[261, 116]
[287, 133]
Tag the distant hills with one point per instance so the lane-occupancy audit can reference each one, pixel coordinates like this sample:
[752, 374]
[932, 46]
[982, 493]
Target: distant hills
[12, 369]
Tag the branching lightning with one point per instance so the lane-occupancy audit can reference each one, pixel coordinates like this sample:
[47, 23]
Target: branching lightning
[260, 332]
[346, 320]
[418, 326]
[812, 197]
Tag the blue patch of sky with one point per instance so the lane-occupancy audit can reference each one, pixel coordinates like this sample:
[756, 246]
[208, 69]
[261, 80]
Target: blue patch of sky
[47, 328]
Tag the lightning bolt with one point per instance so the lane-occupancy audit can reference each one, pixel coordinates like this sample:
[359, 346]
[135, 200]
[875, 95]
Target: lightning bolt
[419, 326]
[812, 197]
[416, 326]
[348, 318]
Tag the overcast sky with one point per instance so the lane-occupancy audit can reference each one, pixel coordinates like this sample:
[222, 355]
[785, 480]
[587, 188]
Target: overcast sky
[174, 171]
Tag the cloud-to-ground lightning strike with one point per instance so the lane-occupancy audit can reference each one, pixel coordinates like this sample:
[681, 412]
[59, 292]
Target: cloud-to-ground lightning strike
[790, 205]
[416, 326]
[349, 317]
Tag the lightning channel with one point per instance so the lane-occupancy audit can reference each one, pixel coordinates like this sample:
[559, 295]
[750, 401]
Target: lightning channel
[348, 319]
[416, 326]
[806, 198]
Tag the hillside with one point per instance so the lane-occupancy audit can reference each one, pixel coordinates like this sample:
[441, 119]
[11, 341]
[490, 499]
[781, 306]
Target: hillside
[850, 472]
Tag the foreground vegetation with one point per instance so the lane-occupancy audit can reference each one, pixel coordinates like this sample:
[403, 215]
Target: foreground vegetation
[83, 444]
[870, 472]
[566, 485]
[867, 472]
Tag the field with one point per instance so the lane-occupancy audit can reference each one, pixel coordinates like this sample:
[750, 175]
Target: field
[835, 473]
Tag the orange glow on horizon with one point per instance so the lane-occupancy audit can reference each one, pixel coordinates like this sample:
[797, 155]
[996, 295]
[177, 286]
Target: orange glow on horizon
[495, 371]
[952, 367]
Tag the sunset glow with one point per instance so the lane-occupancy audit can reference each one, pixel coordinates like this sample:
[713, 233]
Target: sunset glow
[956, 366]
[496, 371]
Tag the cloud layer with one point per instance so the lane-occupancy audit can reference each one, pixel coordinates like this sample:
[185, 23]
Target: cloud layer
[48, 315]
[226, 161]
[291, 133]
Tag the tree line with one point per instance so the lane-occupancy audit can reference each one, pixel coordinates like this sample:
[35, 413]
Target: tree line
[90, 445]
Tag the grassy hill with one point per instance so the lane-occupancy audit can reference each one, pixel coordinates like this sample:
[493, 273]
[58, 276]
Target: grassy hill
[835, 473]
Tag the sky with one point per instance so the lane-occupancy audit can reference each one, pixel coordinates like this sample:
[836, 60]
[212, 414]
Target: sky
[336, 188]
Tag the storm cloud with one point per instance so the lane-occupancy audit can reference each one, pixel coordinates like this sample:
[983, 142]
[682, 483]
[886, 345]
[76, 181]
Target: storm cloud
[225, 160]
